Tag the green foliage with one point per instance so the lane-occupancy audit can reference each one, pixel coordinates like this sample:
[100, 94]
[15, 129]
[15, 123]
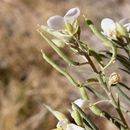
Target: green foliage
[120, 40]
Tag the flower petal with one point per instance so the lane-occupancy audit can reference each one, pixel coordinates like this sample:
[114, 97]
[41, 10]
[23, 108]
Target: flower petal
[55, 23]
[108, 25]
[74, 127]
[81, 103]
[72, 15]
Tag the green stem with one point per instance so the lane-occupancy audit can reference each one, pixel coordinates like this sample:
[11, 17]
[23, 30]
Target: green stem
[90, 62]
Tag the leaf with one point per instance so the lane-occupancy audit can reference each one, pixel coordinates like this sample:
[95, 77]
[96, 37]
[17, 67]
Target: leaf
[127, 71]
[122, 59]
[124, 85]
[123, 94]
[96, 55]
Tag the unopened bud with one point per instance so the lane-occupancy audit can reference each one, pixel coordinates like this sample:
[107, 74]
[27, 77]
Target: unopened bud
[84, 93]
[77, 118]
[121, 30]
[96, 110]
[114, 78]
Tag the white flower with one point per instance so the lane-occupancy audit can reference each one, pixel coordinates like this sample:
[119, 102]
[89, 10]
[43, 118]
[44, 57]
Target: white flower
[55, 22]
[81, 103]
[72, 15]
[74, 127]
[109, 26]
[58, 22]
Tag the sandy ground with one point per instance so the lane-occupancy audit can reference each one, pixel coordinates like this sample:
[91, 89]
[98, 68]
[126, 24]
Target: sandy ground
[26, 81]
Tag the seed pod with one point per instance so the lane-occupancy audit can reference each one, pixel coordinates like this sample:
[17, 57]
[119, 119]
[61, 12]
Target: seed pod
[84, 93]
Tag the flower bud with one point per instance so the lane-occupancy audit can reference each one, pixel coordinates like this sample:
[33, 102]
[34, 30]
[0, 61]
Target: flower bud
[96, 110]
[77, 118]
[114, 78]
[84, 93]
[121, 30]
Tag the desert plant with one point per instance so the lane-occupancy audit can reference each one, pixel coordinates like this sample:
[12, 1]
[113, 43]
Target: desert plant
[115, 36]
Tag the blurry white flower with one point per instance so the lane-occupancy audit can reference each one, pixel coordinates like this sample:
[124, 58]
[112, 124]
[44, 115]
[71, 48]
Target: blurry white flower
[57, 23]
[71, 15]
[74, 127]
[109, 27]
[81, 103]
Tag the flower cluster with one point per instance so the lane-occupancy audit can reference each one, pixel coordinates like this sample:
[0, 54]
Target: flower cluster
[115, 36]
[57, 23]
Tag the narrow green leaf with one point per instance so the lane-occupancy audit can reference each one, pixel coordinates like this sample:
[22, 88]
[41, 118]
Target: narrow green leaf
[124, 85]
[127, 71]
[96, 55]
[123, 94]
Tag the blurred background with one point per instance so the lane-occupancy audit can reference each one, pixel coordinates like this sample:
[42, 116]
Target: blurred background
[26, 80]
